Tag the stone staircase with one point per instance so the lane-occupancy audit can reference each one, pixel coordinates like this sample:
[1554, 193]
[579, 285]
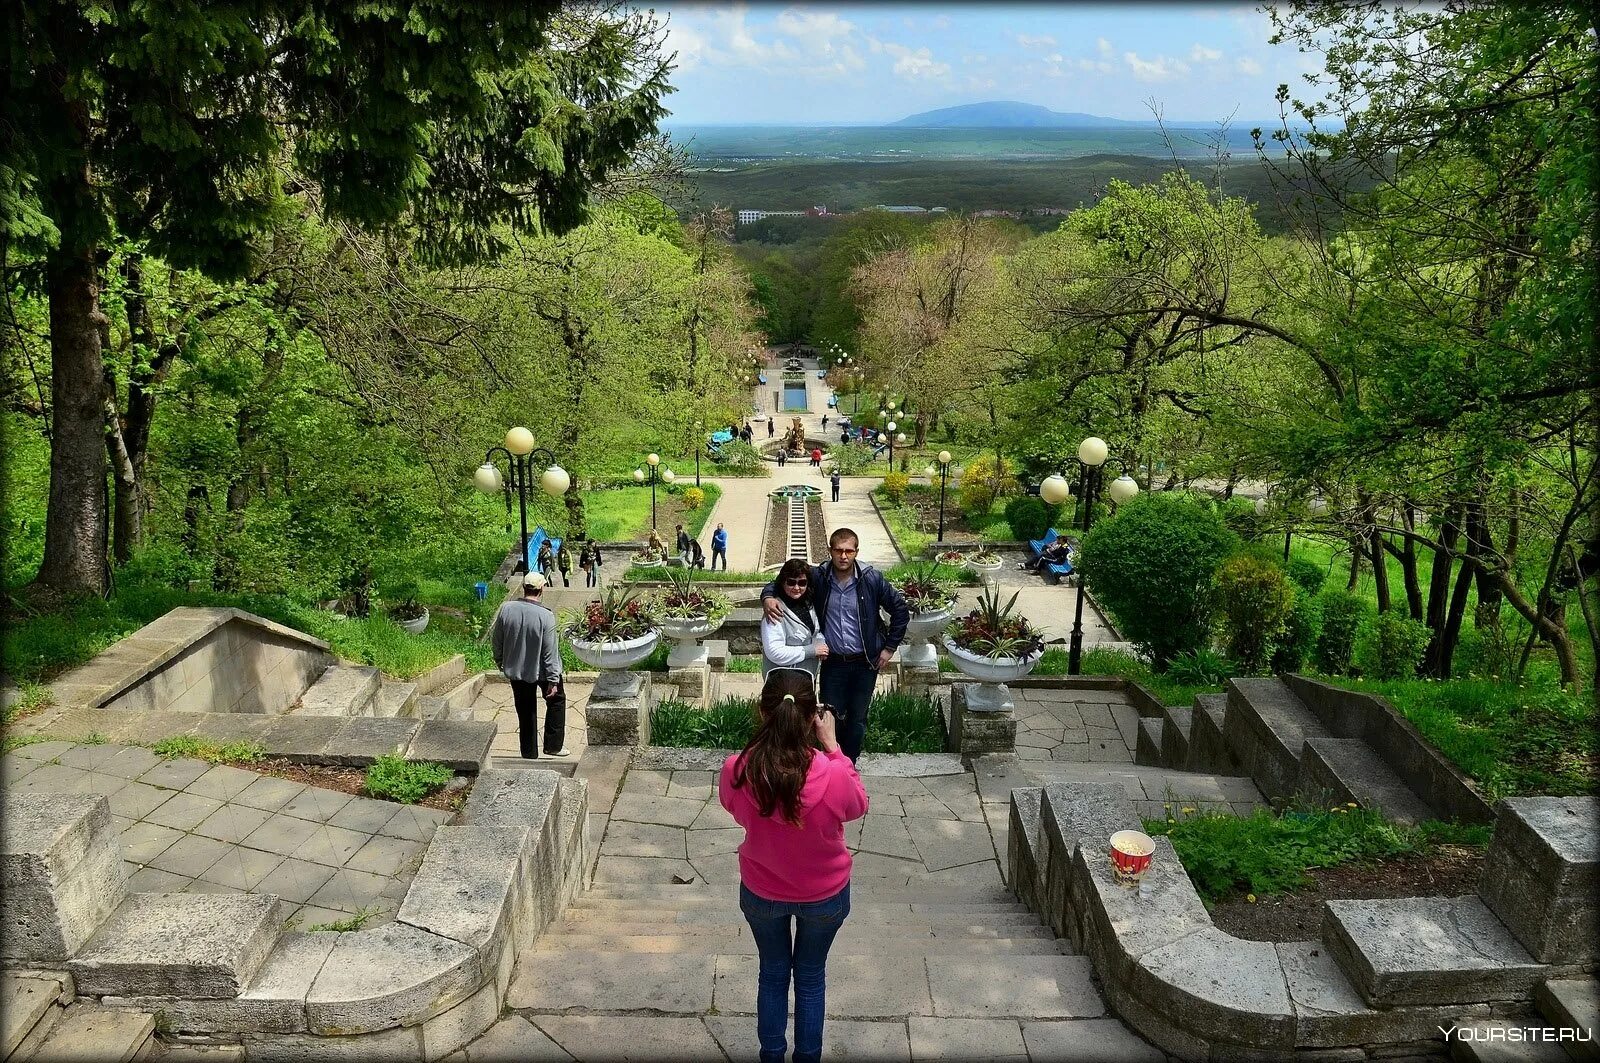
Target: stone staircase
[40, 1021]
[1329, 744]
[345, 690]
[1570, 1010]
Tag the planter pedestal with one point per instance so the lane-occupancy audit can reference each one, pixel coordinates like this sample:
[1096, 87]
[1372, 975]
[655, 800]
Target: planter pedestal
[982, 720]
[918, 653]
[689, 661]
[619, 709]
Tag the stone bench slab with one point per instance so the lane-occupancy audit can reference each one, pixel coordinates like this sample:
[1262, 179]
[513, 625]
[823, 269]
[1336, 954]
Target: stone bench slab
[393, 975]
[200, 945]
[342, 690]
[462, 745]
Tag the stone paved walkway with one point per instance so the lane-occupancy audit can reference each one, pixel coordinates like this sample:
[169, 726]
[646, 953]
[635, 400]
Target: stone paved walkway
[192, 827]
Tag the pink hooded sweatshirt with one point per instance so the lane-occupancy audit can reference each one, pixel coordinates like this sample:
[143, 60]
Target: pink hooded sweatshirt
[782, 862]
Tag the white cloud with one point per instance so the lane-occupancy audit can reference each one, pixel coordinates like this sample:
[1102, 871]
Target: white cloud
[1248, 66]
[1201, 54]
[942, 22]
[815, 28]
[1161, 68]
[916, 64]
[1054, 58]
[1094, 66]
[1104, 47]
[1043, 40]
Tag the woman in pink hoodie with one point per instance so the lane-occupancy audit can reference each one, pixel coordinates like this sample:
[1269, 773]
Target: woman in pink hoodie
[793, 800]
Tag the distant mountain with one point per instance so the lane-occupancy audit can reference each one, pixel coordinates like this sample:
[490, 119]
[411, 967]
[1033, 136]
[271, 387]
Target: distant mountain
[1009, 114]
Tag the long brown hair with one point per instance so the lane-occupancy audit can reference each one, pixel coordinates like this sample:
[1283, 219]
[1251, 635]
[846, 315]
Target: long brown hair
[778, 758]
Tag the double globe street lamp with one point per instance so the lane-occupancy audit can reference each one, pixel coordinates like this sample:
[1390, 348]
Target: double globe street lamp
[521, 456]
[944, 479]
[1317, 507]
[656, 473]
[1092, 454]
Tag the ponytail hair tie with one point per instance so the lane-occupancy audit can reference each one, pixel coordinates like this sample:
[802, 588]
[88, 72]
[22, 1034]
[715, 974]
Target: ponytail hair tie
[789, 698]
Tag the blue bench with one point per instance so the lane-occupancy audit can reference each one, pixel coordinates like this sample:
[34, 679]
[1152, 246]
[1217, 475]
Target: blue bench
[1036, 546]
[1063, 569]
[535, 542]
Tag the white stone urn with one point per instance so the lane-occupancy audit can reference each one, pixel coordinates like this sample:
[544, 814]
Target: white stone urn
[615, 656]
[920, 652]
[654, 562]
[686, 632]
[988, 569]
[417, 626]
[989, 693]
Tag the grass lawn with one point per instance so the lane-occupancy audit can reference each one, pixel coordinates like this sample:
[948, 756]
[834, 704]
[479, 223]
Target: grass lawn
[617, 513]
[914, 523]
[896, 723]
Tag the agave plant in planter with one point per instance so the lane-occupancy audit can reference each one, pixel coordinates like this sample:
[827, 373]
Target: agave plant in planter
[985, 560]
[686, 614]
[615, 632]
[407, 611]
[994, 645]
[931, 598]
[953, 558]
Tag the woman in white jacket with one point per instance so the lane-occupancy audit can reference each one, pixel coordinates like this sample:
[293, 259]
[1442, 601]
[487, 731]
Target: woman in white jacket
[794, 640]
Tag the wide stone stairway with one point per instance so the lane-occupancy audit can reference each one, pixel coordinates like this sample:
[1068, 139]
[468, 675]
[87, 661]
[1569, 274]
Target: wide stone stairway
[936, 961]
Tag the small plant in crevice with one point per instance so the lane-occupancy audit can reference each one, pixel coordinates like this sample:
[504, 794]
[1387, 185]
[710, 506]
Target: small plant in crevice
[393, 778]
[361, 918]
[210, 752]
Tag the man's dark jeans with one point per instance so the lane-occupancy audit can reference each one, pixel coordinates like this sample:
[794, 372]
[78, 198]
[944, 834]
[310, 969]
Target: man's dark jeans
[802, 953]
[722, 552]
[525, 695]
[847, 685]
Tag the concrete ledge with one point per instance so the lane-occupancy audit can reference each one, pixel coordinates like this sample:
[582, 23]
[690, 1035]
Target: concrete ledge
[459, 744]
[61, 872]
[1542, 875]
[468, 886]
[394, 975]
[196, 945]
[441, 676]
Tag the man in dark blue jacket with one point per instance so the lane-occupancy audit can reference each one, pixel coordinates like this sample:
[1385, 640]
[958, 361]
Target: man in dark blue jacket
[850, 599]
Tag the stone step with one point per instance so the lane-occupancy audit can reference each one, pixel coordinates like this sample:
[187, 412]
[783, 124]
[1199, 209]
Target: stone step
[1208, 749]
[860, 890]
[25, 1001]
[342, 690]
[394, 698]
[743, 945]
[1573, 1004]
[105, 1035]
[593, 899]
[1176, 723]
[587, 921]
[429, 707]
[205, 945]
[1147, 750]
[1350, 770]
[568, 767]
[1505, 1041]
[463, 694]
[28, 1048]
[1428, 950]
[1266, 727]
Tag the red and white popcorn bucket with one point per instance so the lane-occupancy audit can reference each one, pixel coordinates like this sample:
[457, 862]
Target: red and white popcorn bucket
[1131, 853]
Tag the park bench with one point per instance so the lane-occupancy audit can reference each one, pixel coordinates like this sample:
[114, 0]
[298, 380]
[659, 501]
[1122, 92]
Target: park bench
[1036, 546]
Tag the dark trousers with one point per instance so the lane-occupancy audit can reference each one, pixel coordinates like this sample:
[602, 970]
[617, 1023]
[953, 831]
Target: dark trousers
[792, 940]
[847, 685]
[836, 492]
[525, 695]
[566, 577]
[722, 552]
[592, 576]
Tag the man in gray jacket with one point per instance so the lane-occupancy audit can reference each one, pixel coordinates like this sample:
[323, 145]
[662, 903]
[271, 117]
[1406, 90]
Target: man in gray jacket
[527, 650]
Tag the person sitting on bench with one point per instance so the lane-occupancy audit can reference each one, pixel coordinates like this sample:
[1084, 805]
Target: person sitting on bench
[1054, 554]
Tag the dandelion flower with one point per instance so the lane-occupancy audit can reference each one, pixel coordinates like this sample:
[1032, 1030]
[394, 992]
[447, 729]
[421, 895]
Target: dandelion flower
[1188, 811]
[1251, 897]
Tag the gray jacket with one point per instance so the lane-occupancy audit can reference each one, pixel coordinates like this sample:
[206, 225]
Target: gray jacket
[788, 643]
[525, 643]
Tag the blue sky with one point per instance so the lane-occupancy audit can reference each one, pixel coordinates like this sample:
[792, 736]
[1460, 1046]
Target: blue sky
[871, 63]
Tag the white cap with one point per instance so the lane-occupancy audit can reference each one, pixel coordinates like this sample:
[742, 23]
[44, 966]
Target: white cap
[534, 581]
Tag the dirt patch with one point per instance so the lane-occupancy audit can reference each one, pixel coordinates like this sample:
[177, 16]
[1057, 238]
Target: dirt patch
[776, 547]
[816, 532]
[352, 781]
[1447, 871]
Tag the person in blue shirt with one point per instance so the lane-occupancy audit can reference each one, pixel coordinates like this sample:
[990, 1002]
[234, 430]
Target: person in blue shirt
[719, 548]
[850, 600]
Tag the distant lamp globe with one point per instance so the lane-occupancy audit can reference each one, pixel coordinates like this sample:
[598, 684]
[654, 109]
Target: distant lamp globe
[555, 480]
[1261, 507]
[892, 426]
[1122, 489]
[668, 475]
[1093, 451]
[899, 437]
[638, 476]
[488, 478]
[653, 459]
[944, 457]
[519, 441]
[1053, 489]
[882, 438]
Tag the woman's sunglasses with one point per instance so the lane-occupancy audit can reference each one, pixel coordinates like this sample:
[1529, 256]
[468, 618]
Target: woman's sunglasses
[796, 582]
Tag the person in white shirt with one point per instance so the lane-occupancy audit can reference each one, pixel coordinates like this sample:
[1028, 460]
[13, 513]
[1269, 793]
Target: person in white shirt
[793, 639]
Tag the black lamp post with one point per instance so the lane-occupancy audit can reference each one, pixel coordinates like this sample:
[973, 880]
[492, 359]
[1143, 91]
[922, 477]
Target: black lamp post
[699, 445]
[944, 478]
[521, 456]
[656, 473]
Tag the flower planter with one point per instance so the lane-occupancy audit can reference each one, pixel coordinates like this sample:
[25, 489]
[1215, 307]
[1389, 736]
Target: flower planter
[919, 651]
[615, 656]
[990, 669]
[686, 633]
[417, 626]
[659, 562]
[986, 567]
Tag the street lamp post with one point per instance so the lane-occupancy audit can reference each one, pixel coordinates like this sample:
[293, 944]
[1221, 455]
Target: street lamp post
[699, 445]
[1092, 453]
[891, 434]
[520, 455]
[656, 473]
[944, 478]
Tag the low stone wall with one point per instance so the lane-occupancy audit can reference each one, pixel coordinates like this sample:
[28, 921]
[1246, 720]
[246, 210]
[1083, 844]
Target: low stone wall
[200, 660]
[219, 967]
[1202, 994]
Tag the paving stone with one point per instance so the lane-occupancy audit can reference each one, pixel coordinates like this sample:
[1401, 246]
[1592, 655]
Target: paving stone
[183, 812]
[387, 856]
[201, 885]
[315, 919]
[363, 814]
[315, 804]
[182, 944]
[269, 794]
[87, 1032]
[351, 891]
[232, 823]
[1035, 987]
[653, 782]
[926, 806]
[414, 823]
[190, 856]
[155, 880]
[175, 773]
[363, 739]
[611, 981]
[626, 1039]
[388, 975]
[130, 763]
[143, 842]
[693, 785]
[644, 839]
[89, 757]
[887, 836]
[242, 868]
[642, 869]
[712, 817]
[948, 843]
[1104, 1040]
[41, 751]
[333, 846]
[461, 745]
[283, 835]
[511, 798]
[669, 811]
[515, 1040]
[136, 800]
[222, 782]
[709, 843]
[966, 1039]
[295, 880]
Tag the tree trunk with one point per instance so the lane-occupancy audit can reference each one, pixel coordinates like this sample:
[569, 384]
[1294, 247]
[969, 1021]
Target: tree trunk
[1435, 660]
[127, 524]
[76, 519]
[1408, 564]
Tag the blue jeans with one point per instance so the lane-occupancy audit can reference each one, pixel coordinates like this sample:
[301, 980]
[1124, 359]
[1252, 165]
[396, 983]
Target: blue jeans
[805, 955]
[848, 686]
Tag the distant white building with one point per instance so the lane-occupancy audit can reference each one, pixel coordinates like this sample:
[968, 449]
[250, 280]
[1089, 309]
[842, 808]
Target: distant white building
[748, 216]
[901, 210]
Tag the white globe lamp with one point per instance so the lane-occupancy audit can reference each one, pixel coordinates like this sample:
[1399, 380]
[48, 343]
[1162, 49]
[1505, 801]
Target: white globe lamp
[944, 457]
[1261, 507]
[1093, 451]
[519, 441]
[1122, 489]
[488, 478]
[555, 480]
[668, 475]
[1054, 489]
[638, 476]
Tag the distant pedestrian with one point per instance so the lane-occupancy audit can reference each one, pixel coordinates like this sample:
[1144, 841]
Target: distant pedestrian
[697, 556]
[683, 545]
[564, 564]
[834, 481]
[589, 561]
[816, 457]
[824, 422]
[844, 437]
[719, 548]
[783, 456]
[772, 427]
[547, 560]
[527, 650]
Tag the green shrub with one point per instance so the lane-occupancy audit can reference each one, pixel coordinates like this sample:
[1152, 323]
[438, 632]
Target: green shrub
[900, 722]
[1300, 631]
[1336, 642]
[694, 498]
[394, 778]
[896, 723]
[1239, 515]
[1390, 646]
[1028, 516]
[738, 455]
[1202, 667]
[894, 486]
[1254, 597]
[1306, 574]
[1152, 564]
[851, 459]
[984, 481]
